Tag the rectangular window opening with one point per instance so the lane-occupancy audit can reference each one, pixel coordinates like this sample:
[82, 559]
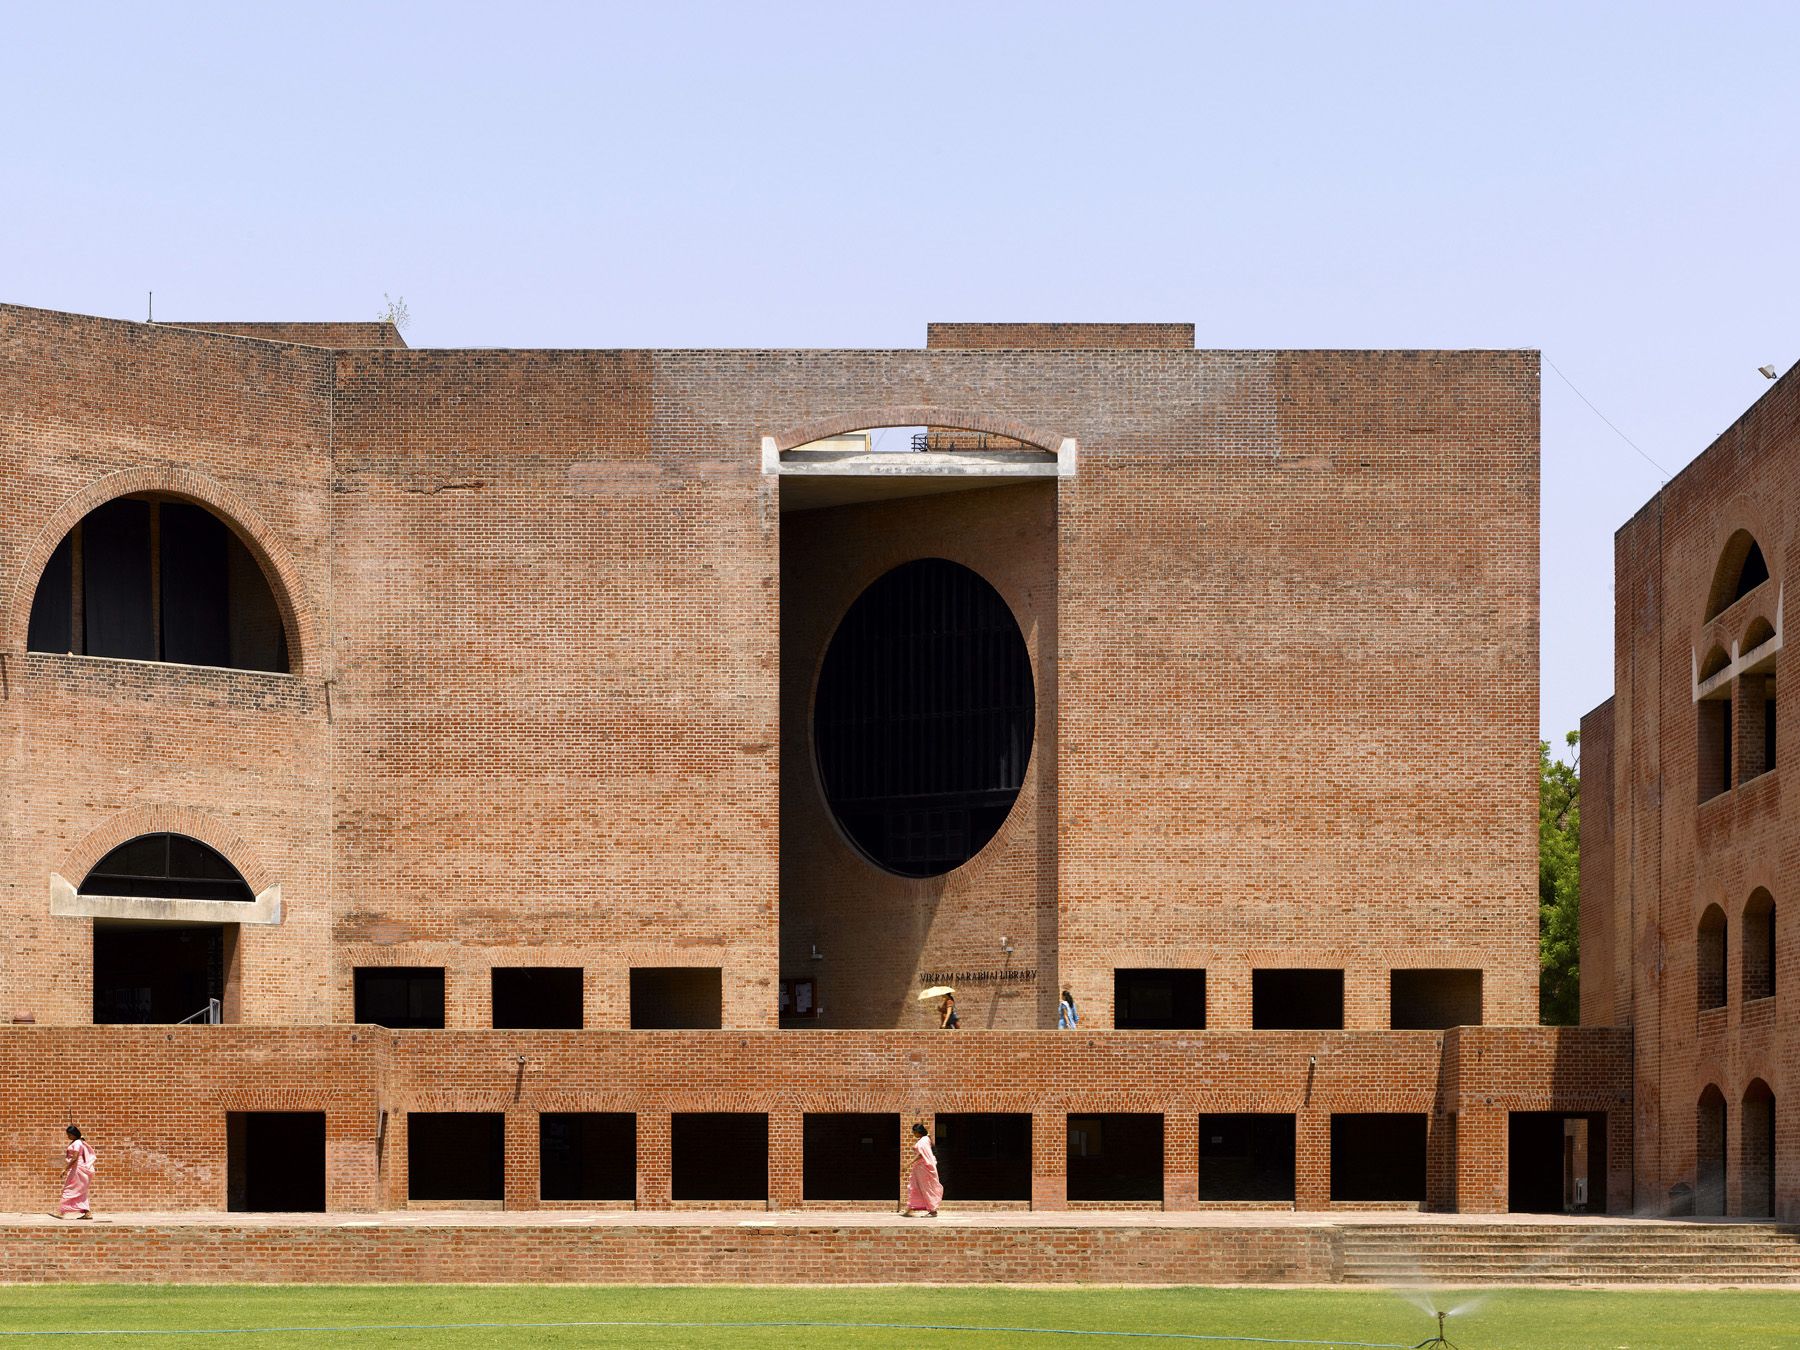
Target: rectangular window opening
[400, 997]
[455, 1155]
[1118, 1156]
[1297, 1000]
[1434, 1000]
[275, 1161]
[1714, 755]
[677, 998]
[850, 1156]
[1247, 1157]
[1378, 1156]
[546, 998]
[984, 1155]
[156, 972]
[587, 1155]
[1159, 1000]
[719, 1155]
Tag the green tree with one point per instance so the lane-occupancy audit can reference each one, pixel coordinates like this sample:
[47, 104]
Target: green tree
[1559, 885]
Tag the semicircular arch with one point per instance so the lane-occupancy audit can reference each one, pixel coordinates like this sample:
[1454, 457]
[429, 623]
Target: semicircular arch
[264, 544]
[134, 821]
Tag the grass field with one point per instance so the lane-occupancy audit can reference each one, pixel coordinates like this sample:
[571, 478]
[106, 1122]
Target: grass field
[917, 1317]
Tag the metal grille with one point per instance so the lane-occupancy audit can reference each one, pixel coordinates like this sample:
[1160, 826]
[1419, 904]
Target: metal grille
[924, 718]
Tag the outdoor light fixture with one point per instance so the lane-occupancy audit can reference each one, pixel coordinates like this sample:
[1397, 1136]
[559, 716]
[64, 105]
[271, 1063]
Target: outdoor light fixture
[817, 955]
[1768, 372]
[1006, 945]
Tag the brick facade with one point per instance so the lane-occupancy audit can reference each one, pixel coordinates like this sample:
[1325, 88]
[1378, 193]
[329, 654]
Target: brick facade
[552, 641]
[1658, 852]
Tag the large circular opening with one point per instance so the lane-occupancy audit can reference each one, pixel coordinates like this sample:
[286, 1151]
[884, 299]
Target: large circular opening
[924, 717]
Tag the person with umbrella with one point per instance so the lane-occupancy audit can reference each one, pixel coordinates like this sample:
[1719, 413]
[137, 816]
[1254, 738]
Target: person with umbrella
[947, 1019]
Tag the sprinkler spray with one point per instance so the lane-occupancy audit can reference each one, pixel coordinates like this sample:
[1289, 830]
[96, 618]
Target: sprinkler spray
[1440, 1338]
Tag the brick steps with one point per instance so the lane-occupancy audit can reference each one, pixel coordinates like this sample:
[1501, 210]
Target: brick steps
[1554, 1254]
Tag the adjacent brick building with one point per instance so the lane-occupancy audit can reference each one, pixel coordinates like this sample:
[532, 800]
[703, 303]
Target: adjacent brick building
[548, 758]
[1687, 847]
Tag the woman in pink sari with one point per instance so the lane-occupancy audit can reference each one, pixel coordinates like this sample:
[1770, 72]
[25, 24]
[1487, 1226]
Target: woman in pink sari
[78, 1175]
[924, 1189]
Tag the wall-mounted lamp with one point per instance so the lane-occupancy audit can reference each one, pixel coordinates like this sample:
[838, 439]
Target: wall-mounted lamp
[1006, 945]
[1312, 1061]
[817, 955]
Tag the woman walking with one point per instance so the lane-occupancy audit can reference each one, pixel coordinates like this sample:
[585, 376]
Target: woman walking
[924, 1188]
[78, 1175]
[1067, 1019]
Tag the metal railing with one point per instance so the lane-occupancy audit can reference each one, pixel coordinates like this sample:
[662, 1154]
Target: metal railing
[923, 441]
[211, 1015]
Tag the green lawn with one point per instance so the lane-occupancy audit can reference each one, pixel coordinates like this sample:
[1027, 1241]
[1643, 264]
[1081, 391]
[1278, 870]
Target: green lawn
[376, 1316]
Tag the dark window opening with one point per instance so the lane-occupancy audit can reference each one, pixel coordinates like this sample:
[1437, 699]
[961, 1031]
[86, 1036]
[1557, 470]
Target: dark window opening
[150, 579]
[677, 998]
[400, 996]
[719, 1155]
[1378, 1157]
[1433, 1000]
[1769, 730]
[1741, 569]
[850, 1156]
[1159, 1000]
[1116, 1157]
[1709, 1153]
[1710, 959]
[166, 867]
[1714, 751]
[546, 998]
[1756, 1151]
[587, 1155]
[1297, 1000]
[984, 1155]
[1247, 1157]
[157, 972]
[924, 717]
[1759, 946]
[455, 1155]
[800, 998]
[275, 1161]
[1555, 1163]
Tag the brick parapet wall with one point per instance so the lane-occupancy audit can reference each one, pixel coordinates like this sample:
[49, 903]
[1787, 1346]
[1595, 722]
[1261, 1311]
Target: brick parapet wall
[153, 1100]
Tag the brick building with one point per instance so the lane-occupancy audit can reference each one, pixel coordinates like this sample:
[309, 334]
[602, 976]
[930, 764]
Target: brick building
[1687, 923]
[560, 771]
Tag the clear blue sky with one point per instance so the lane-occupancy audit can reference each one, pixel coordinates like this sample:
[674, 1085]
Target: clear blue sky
[1614, 184]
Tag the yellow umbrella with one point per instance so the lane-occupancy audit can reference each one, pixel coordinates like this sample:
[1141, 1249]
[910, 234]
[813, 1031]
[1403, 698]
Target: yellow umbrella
[937, 991]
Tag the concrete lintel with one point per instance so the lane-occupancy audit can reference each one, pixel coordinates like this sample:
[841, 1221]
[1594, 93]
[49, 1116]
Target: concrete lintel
[1741, 661]
[66, 902]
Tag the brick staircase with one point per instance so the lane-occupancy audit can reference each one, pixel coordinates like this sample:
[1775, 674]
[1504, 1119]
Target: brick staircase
[1516, 1253]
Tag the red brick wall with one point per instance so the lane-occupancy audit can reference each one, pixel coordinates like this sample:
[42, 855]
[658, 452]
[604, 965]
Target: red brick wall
[1673, 855]
[1601, 978]
[153, 1100]
[310, 334]
[92, 750]
[1113, 336]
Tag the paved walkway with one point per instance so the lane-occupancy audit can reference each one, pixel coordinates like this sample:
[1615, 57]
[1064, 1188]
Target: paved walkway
[840, 1218]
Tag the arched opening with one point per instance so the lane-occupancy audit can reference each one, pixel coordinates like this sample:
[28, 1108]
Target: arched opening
[924, 716]
[159, 970]
[1742, 568]
[1709, 1152]
[1756, 1151]
[150, 577]
[1709, 959]
[1758, 943]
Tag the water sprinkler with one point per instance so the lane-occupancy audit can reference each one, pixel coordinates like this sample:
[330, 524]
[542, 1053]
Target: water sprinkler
[1440, 1338]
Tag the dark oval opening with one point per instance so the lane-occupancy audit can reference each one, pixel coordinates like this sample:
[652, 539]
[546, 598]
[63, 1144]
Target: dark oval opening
[924, 717]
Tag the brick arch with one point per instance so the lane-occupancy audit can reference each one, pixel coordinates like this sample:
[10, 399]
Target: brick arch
[165, 819]
[957, 419]
[1740, 516]
[264, 543]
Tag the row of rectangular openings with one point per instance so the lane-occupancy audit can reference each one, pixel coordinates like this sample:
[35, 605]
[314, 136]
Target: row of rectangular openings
[541, 998]
[276, 1159]
[1294, 1000]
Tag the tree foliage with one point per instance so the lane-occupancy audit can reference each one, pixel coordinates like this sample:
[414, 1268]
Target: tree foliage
[1559, 884]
